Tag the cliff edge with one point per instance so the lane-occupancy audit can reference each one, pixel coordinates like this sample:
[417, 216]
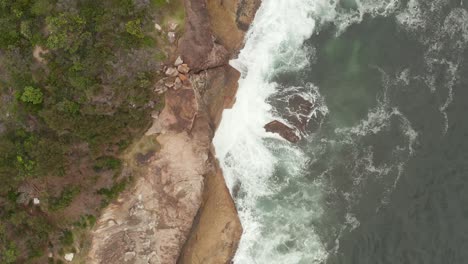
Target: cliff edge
[180, 210]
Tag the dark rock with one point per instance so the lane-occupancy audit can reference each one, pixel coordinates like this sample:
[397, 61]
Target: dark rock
[302, 110]
[283, 130]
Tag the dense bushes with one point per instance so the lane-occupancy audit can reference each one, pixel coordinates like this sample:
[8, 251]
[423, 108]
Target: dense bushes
[89, 97]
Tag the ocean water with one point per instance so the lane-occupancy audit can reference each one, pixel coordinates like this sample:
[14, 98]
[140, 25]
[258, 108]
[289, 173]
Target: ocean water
[381, 174]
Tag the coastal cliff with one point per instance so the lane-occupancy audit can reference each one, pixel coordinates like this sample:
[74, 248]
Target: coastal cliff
[180, 210]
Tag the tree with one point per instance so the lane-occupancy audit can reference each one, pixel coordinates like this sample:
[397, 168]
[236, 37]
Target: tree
[32, 95]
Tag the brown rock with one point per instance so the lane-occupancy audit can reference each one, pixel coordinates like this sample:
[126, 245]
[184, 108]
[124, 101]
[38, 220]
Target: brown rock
[196, 46]
[183, 78]
[217, 229]
[183, 68]
[180, 110]
[233, 18]
[283, 130]
[154, 218]
[151, 222]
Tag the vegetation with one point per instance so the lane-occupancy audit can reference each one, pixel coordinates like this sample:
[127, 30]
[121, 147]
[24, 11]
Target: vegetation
[65, 198]
[76, 82]
[112, 193]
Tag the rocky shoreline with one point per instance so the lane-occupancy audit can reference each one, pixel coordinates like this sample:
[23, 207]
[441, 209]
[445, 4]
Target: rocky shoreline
[181, 211]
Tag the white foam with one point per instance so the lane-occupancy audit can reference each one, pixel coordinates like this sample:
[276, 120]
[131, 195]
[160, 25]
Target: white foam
[274, 44]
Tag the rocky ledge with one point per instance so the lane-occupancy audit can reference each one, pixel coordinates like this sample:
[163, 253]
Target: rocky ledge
[180, 211]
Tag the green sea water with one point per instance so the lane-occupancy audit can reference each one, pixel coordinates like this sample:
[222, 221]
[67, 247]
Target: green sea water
[381, 175]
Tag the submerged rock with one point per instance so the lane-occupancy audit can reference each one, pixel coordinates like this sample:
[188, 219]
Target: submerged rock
[283, 130]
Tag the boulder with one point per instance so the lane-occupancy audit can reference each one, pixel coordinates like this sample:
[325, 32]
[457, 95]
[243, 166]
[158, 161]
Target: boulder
[157, 27]
[69, 257]
[283, 130]
[178, 61]
[183, 68]
[172, 72]
[302, 110]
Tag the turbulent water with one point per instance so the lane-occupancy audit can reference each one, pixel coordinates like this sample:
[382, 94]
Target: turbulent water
[381, 173]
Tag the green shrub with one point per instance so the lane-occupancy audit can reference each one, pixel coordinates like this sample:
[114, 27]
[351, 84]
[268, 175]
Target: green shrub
[134, 28]
[113, 192]
[107, 163]
[65, 198]
[32, 95]
[67, 238]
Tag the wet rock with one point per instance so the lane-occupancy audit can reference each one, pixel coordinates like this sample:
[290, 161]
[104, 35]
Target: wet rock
[172, 72]
[283, 130]
[183, 68]
[302, 110]
[178, 61]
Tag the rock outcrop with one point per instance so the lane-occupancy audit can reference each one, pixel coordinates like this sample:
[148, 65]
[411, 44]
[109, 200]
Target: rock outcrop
[197, 45]
[180, 210]
[288, 133]
[302, 115]
[150, 223]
